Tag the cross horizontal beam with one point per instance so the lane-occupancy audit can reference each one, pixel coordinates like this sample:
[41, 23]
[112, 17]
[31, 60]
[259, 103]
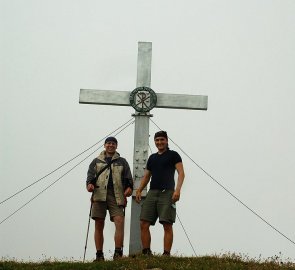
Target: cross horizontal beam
[121, 98]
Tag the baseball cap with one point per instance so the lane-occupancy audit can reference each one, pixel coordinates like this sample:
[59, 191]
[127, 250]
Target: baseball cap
[111, 139]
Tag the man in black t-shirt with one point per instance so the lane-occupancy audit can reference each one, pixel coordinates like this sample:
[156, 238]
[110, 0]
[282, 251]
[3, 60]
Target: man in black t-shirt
[161, 198]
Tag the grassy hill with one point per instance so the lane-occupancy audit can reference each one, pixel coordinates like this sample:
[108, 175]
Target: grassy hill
[225, 262]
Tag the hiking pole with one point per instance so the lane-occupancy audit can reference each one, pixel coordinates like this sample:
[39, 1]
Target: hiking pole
[94, 183]
[88, 226]
[125, 204]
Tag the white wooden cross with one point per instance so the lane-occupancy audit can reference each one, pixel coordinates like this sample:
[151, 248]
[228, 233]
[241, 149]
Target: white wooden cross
[143, 99]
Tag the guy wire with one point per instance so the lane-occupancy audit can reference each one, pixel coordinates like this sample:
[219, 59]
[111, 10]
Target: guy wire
[186, 235]
[63, 164]
[230, 193]
[67, 172]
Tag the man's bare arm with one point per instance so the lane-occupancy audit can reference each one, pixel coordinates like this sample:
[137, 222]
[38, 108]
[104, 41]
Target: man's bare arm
[180, 179]
[144, 181]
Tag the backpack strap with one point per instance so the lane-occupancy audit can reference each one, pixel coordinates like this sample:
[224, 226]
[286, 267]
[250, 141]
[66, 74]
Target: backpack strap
[101, 171]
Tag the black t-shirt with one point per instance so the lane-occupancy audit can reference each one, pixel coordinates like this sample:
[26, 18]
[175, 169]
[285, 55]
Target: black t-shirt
[110, 183]
[162, 167]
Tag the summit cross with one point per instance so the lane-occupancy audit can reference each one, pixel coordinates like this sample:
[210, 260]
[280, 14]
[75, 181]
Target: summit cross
[143, 99]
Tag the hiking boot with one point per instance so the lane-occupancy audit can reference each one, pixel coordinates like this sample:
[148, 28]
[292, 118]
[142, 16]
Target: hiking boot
[118, 254]
[166, 253]
[99, 256]
[147, 251]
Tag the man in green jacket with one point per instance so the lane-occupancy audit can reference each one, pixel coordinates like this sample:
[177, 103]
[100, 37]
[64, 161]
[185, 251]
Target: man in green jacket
[109, 179]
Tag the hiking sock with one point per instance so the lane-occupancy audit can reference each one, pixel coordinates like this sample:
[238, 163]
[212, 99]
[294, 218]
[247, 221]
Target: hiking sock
[118, 253]
[146, 251]
[99, 255]
[166, 253]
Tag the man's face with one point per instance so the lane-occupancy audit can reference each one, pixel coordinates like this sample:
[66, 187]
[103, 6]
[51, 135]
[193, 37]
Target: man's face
[110, 147]
[161, 143]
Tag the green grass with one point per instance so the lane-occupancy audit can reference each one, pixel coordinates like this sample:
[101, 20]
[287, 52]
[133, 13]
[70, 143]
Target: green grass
[224, 262]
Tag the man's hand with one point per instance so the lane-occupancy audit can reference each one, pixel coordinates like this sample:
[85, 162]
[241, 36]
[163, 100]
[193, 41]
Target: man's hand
[138, 196]
[90, 187]
[176, 196]
[128, 192]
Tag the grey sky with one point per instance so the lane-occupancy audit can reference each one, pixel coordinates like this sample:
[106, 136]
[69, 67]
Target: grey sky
[239, 53]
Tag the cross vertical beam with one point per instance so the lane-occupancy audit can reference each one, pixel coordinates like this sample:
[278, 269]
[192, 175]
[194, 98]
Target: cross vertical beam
[141, 144]
[144, 64]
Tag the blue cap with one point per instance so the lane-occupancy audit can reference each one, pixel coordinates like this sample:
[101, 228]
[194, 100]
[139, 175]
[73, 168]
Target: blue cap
[111, 139]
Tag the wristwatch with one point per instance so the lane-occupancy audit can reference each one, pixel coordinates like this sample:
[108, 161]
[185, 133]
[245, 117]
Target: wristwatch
[143, 99]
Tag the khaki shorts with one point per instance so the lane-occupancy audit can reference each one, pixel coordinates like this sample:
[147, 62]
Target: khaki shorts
[158, 204]
[99, 209]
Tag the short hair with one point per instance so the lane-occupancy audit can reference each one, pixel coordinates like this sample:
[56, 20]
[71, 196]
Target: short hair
[161, 134]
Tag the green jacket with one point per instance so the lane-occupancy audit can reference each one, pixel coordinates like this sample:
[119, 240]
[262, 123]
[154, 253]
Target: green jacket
[121, 175]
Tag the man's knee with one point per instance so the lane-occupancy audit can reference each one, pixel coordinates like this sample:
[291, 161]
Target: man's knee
[144, 225]
[99, 223]
[118, 220]
[167, 227]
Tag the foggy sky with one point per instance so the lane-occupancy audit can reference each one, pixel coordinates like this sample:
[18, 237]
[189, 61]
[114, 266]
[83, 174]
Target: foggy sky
[239, 53]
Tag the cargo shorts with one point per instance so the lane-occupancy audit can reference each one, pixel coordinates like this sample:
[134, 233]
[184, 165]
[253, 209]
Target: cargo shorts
[99, 209]
[158, 204]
